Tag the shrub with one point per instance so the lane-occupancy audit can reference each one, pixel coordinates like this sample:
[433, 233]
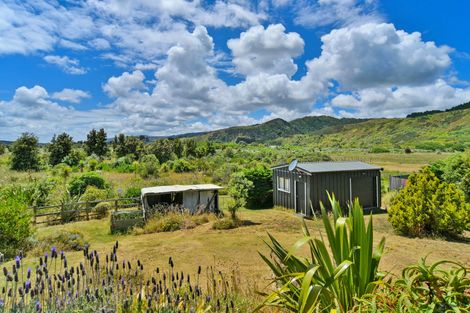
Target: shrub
[93, 194]
[456, 170]
[148, 166]
[182, 166]
[439, 287]
[132, 192]
[327, 282]
[164, 223]
[15, 226]
[167, 222]
[379, 150]
[408, 150]
[69, 208]
[102, 209]
[239, 188]
[61, 240]
[224, 223]
[79, 184]
[427, 206]
[261, 194]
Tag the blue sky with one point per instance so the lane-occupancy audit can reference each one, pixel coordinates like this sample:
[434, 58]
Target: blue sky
[166, 67]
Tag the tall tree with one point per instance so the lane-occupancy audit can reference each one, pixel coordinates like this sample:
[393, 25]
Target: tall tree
[59, 148]
[25, 153]
[125, 145]
[96, 143]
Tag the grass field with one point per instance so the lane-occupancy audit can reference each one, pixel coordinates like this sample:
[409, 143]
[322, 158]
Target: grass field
[237, 249]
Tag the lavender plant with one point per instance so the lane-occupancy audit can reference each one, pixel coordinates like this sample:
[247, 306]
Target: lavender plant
[103, 283]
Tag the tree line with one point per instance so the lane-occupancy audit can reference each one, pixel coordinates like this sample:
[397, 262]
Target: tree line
[25, 151]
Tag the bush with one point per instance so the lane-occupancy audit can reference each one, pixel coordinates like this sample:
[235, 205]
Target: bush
[379, 150]
[148, 166]
[132, 192]
[62, 240]
[224, 223]
[428, 207]
[69, 208]
[171, 222]
[102, 209]
[79, 184]
[164, 223]
[15, 227]
[182, 166]
[439, 287]
[93, 194]
[261, 195]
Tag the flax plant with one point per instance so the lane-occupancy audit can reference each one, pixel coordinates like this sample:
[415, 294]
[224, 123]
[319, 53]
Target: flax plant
[340, 268]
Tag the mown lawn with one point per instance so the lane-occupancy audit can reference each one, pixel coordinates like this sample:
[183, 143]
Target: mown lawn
[237, 249]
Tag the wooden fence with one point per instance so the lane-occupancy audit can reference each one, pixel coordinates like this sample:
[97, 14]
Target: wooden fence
[83, 209]
[397, 182]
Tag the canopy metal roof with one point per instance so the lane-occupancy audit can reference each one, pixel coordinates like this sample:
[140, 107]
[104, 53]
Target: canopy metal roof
[178, 188]
[323, 167]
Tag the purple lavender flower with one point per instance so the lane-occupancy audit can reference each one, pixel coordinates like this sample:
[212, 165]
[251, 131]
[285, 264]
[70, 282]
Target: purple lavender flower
[38, 306]
[54, 252]
[18, 262]
[28, 274]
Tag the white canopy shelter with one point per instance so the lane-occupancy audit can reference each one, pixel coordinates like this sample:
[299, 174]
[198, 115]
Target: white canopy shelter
[192, 197]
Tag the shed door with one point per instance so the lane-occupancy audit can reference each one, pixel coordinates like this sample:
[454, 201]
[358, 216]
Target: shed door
[363, 188]
[301, 197]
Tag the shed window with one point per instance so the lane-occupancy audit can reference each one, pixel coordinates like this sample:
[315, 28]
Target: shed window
[283, 184]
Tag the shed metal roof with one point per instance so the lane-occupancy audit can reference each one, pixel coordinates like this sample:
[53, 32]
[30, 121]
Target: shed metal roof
[324, 167]
[178, 188]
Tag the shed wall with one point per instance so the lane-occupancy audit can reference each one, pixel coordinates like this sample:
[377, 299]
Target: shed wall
[366, 184]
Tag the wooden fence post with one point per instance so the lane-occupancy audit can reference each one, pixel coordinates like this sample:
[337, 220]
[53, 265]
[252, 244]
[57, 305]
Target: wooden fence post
[34, 214]
[115, 205]
[87, 210]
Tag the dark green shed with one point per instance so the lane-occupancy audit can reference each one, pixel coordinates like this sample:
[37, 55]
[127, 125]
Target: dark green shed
[302, 186]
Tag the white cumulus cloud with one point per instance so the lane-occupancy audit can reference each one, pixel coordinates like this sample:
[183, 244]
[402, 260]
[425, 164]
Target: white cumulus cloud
[68, 65]
[70, 95]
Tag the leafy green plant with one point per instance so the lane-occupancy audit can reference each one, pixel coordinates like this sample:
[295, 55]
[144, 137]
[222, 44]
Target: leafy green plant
[15, 226]
[239, 188]
[69, 207]
[428, 207]
[440, 287]
[325, 282]
[79, 184]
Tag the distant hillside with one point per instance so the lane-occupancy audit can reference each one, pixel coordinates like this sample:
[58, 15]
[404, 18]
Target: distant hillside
[439, 131]
[456, 108]
[310, 124]
[258, 132]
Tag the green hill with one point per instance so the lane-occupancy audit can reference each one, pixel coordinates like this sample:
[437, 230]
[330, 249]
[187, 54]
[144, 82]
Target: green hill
[438, 131]
[258, 132]
[449, 130]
